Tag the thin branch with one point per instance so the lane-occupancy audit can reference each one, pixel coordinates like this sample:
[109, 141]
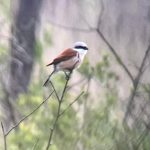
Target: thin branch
[4, 137]
[140, 73]
[71, 103]
[54, 126]
[54, 90]
[58, 112]
[16, 125]
[65, 87]
[136, 83]
[118, 58]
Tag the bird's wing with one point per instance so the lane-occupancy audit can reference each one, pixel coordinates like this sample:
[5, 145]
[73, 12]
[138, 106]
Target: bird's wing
[65, 55]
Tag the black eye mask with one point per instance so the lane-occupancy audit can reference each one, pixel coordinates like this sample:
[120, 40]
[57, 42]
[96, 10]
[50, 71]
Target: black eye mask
[81, 47]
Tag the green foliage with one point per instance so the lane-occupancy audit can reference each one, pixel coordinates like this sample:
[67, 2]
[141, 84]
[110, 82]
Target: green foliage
[101, 123]
[96, 126]
[98, 121]
[37, 127]
[102, 71]
[86, 69]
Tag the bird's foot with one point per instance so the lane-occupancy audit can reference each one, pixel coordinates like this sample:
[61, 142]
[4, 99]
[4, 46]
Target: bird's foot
[67, 75]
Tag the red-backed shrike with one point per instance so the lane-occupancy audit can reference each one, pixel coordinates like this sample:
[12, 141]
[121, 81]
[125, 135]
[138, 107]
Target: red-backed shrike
[69, 59]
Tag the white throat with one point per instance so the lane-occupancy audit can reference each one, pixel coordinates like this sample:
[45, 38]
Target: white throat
[82, 52]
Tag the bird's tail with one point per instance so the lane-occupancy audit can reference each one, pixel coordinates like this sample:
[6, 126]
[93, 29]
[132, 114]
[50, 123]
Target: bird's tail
[46, 82]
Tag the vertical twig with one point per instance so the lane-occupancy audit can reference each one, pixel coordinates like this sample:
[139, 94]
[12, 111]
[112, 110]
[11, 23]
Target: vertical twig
[54, 90]
[58, 112]
[4, 137]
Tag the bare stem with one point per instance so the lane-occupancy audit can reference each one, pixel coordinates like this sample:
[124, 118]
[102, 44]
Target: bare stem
[58, 111]
[136, 82]
[71, 104]
[16, 125]
[54, 90]
[118, 58]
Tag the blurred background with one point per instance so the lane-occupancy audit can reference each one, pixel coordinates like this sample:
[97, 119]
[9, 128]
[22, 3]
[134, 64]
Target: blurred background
[114, 112]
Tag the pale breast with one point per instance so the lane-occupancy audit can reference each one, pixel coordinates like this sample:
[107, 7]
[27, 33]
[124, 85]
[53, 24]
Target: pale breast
[69, 64]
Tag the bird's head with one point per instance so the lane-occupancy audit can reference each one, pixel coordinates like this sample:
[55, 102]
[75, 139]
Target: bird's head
[81, 48]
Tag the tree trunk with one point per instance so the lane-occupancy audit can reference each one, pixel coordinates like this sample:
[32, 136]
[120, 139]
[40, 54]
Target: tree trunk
[22, 51]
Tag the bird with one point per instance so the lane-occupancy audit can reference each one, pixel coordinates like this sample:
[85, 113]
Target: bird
[68, 60]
